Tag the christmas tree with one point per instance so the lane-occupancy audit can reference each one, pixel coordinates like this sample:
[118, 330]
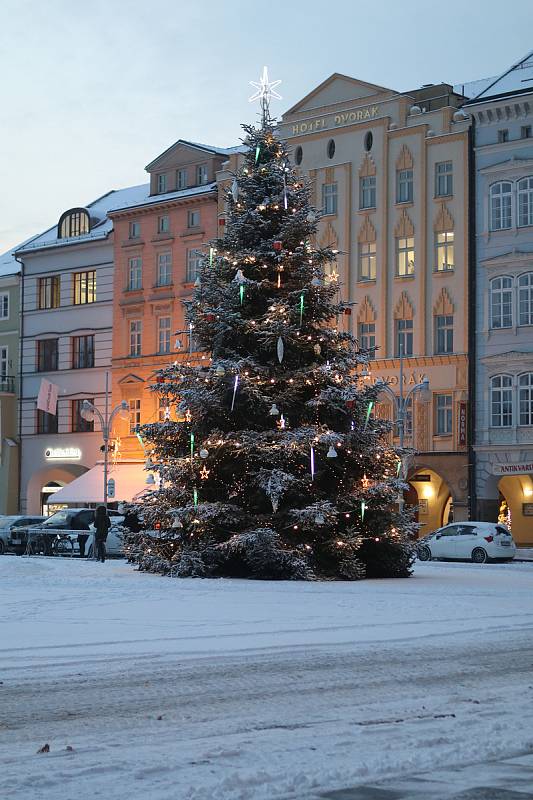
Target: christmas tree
[270, 462]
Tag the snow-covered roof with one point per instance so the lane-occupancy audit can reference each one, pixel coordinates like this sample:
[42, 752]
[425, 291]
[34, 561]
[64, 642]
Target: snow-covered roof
[518, 79]
[8, 263]
[220, 151]
[165, 196]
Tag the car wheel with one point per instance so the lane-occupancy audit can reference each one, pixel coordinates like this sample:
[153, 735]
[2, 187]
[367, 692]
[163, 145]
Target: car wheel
[479, 556]
[424, 553]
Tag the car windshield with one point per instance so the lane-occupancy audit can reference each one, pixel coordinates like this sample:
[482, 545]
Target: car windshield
[59, 518]
[6, 521]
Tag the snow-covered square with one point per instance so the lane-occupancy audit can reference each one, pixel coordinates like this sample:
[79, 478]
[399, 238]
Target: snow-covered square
[211, 689]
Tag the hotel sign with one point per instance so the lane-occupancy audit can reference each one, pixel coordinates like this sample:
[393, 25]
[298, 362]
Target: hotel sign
[513, 469]
[62, 453]
[336, 120]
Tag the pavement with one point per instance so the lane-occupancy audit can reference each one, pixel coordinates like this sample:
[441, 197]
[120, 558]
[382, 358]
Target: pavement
[506, 779]
[524, 554]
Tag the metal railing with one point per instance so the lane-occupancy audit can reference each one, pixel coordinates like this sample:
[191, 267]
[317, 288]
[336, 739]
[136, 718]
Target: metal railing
[7, 384]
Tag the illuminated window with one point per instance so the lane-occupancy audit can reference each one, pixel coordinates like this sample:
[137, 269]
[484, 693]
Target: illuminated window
[444, 251]
[405, 255]
[501, 302]
[501, 401]
[135, 337]
[49, 292]
[164, 269]
[367, 261]
[75, 222]
[84, 287]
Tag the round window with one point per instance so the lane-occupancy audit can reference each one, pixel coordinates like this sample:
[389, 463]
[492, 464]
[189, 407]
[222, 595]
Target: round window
[298, 155]
[331, 148]
[368, 141]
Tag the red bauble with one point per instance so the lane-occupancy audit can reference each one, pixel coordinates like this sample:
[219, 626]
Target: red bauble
[350, 403]
[348, 312]
[277, 245]
[159, 379]
[210, 317]
[222, 222]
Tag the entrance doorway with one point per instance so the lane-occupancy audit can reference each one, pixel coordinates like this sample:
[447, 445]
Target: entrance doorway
[432, 494]
[48, 507]
[515, 506]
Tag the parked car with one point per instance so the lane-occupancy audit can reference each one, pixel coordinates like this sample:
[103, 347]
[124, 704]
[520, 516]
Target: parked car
[58, 533]
[114, 545]
[474, 541]
[8, 524]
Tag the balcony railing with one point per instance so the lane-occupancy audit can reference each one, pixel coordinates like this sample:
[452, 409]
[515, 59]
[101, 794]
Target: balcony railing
[7, 384]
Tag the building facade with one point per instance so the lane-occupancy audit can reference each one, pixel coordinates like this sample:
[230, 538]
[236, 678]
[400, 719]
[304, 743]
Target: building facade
[66, 298]
[503, 344]
[389, 174]
[159, 244]
[9, 367]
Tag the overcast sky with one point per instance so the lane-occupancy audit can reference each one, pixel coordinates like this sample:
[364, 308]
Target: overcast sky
[91, 92]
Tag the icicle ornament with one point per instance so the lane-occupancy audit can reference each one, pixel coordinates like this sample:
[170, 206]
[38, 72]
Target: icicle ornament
[280, 349]
[257, 153]
[312, 460]
[236, 383]
[363, 509]
[192, 445]
[195, 497]
[301, 309]
[368, 412]
[235, 190]
[211, 255]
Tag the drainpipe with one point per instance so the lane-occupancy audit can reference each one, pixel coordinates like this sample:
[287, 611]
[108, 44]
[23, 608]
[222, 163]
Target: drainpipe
[472, 307]
[21, 349]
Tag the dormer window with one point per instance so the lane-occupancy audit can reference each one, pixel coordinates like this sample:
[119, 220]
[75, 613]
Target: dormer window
[201, 174]
[161, 184]
[74, 222]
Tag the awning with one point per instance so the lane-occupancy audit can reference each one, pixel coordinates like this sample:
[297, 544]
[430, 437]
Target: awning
[130, 482]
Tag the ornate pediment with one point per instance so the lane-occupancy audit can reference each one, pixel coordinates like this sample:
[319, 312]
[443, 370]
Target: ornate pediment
[329, 237]
[404, 307]
[367, 167]
[367, 232]
[131, 378]
[340, 89]
[404, 227]
[443, 305]
[444, 220]
[405, 159]
[367, 312]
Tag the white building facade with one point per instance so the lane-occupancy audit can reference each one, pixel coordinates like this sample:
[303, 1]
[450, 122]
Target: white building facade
[502, 117]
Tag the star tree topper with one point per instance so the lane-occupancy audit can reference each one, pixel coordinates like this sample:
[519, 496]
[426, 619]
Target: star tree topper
[265, 92]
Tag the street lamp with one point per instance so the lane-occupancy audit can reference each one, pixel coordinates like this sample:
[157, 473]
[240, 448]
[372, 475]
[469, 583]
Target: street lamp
[400, 404]
[88, 411]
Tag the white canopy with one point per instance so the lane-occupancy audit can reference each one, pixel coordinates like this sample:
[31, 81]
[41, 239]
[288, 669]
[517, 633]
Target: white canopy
[130, 481]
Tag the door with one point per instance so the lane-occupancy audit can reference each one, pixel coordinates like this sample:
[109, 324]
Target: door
[444, 542]
[466, 540]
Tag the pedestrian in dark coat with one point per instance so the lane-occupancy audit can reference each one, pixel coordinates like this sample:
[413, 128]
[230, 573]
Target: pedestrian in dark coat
[102, 523]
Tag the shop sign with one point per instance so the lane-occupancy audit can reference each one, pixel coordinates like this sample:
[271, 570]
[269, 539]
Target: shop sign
[336, 120]
[513, 469]
[527, 509]
[62, 453]
[462, 424]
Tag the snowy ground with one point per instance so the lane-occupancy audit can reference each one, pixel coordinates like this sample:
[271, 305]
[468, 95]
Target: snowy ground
[203, 690]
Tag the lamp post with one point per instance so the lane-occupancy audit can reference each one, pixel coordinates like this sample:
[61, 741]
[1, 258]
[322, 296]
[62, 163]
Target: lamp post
[400, 405]
[89, 411]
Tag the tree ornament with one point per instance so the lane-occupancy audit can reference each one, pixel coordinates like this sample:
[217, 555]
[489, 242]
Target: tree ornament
[348, 311]
[275, 504]
[301, 309]
[363, 509]
[236, 383]
[350, 403]
[280, 349]
[319, 519]
[312, 459]
[317, 349]
[274, 410]
[204, 473]
[281, 423]
[277, 245]
[221, 222]
[204, 453]
[365, 483]
[235, 190]
[239, 276]
[241, 293]
[220, 371]
[177, 523]
[257, 153]
[195, 497]
[192, 445]
[210, 317]
[368, 412]
[211, 255]
[316, 282]
[332, 453]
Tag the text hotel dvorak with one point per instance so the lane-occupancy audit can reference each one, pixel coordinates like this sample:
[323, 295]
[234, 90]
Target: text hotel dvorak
[344, 118]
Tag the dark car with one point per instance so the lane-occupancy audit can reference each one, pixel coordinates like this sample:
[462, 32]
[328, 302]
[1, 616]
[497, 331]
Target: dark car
[11, 523]
[67, 523]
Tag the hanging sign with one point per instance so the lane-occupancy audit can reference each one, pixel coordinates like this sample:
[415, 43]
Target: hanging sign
[462, 424]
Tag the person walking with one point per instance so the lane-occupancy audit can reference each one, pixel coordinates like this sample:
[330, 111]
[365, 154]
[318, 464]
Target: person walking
[102, 524]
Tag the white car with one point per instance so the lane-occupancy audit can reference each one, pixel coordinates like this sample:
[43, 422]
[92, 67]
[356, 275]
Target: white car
[475, 541]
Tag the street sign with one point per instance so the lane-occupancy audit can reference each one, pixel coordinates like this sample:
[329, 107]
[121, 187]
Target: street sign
[111, 487]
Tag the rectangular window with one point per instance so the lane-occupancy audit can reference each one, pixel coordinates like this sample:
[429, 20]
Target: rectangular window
[135, 415]
[163, 224]
[367, 261]
[501, 302]
[4, 306]
[501, 401]
[47, 350]
[525, 132]
[201, 174]
[367, 337]
[404, 186]
[79, 424]
[444, 251]
[329, 198]
[135, 274]
[503, 135]
[135, 230]
[46, 423]
[193, 219]
[164, 269]
[444, 414]
[163, 331]
[444, 179]
[405, 255]
[181, 179]
[367, 192]
[84, 288]
[444, 334]
[161, 183]
[135, 337]
[525, 202]
[4, 362]
[194, 265]
[83, 352]
[49, 292]
[404, 337]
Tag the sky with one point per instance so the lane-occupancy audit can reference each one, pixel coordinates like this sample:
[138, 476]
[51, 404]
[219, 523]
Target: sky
[91, 92]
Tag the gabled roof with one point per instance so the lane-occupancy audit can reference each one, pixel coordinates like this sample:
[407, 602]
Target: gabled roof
[204, 148]
[518, 79]
[346, 88]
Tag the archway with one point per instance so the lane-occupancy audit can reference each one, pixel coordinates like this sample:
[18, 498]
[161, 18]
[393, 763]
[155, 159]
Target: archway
[434, 498]
[48, 477]
[515, 506]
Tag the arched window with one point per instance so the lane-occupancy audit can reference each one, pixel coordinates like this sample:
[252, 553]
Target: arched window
[501, 302]
[525, 398]
[74, 222]
[525, 201]
[501, 401]
[500, 206]
[525, 299]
